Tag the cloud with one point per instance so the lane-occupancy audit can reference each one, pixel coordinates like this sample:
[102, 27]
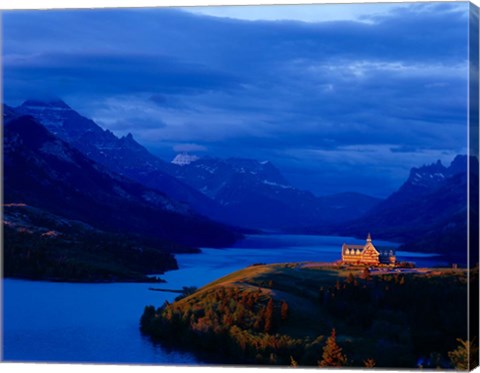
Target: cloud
[360, 88]
[189, 148]
[305, 13]
[132, 125]
[110, 73]
[159, 99]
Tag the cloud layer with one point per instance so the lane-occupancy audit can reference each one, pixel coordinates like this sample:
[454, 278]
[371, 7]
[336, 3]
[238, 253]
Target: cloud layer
[349, 104]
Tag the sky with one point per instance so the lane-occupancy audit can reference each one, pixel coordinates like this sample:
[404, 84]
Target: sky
[338, 97]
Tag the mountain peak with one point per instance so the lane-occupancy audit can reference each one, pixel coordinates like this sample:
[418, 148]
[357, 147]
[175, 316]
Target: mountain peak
[461, 163]
[184, 159]
[127, 138]
[458, 165]
[427, 175]
[430, 168]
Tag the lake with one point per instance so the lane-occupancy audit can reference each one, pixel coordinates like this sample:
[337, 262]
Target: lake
[68, 322]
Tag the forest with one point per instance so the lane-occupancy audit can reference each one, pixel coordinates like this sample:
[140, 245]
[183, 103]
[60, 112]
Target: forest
[39, 245]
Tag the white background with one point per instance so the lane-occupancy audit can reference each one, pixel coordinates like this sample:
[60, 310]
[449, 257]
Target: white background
[47, 4]
[42, 4]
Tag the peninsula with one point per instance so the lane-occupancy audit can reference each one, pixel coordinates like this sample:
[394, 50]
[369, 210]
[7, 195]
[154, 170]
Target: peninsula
[310, 314]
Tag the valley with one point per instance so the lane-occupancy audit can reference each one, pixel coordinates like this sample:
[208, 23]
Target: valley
[254, 194]
[63, 164]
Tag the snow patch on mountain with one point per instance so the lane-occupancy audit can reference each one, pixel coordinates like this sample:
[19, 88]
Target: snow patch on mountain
[282, 186]
[184, 159]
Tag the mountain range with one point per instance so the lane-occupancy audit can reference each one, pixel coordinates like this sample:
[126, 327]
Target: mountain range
[65, 164]
[123, 156]
[46, 172]
[240, 192]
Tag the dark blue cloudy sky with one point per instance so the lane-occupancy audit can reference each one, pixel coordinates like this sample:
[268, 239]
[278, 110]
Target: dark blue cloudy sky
[339, 97]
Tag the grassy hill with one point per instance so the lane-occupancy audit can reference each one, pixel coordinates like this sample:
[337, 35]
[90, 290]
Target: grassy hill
[284, 314]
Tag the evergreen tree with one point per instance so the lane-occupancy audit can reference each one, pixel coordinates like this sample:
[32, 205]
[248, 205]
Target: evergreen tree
[269, 316]
[366, 274]
[332, 353]
[293, 362]
[350, 278]
[465, 356]
[284, 310]
[148, 315]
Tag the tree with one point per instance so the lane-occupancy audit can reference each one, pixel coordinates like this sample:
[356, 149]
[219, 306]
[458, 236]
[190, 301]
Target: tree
[350, 278]
[147, 316]
[369, 363]
[366, 274]
[465, 356]
[332, 353]
[284, 310]
[293, 362]
[268, 316]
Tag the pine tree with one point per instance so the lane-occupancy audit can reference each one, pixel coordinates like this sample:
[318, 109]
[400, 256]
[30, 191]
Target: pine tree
[369, 363]
[293, 362]
[465, 356]
[366, 274]
[332, 353]
[269, 316]
[350, 278]
[284, 310]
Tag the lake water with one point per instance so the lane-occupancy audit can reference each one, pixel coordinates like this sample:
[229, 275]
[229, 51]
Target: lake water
[66, 322]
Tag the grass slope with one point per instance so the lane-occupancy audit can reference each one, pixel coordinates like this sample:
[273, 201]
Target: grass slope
[271, 314]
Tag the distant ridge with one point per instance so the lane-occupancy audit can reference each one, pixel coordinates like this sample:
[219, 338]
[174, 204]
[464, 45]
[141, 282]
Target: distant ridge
[428, 213]
[255, 194]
